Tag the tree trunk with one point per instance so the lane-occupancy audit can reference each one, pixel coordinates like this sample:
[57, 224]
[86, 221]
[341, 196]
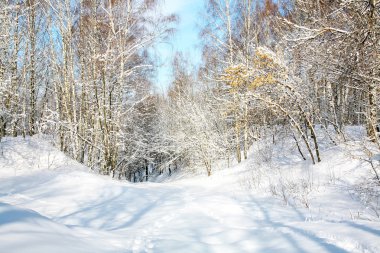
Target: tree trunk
[32, 83]
[372, 113]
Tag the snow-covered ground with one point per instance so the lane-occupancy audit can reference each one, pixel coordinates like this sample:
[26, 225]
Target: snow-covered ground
[49, 203]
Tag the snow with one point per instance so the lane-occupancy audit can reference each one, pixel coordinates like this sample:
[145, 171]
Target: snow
[49, 203]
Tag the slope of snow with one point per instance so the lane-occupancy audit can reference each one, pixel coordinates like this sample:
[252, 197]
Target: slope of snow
[49, 203]
[22, 230]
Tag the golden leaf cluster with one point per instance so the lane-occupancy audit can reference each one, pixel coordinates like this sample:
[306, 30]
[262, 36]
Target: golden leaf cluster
[235, 76]
[264, 61]
[261, 73]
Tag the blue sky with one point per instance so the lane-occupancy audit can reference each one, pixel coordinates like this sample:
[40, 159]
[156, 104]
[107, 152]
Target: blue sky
[184, 40]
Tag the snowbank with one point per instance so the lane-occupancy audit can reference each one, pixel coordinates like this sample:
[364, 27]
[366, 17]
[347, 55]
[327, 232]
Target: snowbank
[52, 204]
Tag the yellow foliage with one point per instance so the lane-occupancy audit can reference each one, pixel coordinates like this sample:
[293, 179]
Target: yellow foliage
[264, 61]
[263, 72]
[262, 80]
[235, 76]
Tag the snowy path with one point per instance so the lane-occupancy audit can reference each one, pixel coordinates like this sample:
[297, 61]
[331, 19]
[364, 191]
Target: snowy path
[71, 210]
[110, 216]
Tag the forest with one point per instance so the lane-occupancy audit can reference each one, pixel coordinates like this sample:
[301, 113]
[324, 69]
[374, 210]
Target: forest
[82, 73]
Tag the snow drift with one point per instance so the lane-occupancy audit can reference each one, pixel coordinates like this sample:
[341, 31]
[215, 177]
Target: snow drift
[50, 203]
